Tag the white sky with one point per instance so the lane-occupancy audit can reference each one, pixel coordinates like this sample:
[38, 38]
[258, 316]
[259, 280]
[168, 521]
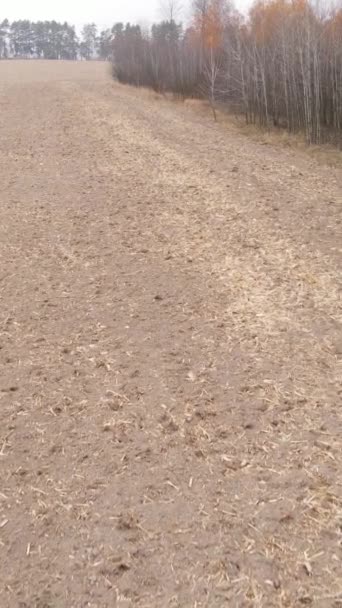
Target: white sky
[77, 12]
[102, 12]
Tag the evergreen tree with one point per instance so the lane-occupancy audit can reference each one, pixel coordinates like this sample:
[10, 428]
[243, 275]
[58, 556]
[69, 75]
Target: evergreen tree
[105, 44]
[4, 39]
[88, 44]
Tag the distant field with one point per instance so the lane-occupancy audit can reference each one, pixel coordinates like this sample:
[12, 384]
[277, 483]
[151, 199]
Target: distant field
[38, 71]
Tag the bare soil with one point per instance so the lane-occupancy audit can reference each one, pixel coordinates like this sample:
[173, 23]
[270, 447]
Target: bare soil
[170, 351]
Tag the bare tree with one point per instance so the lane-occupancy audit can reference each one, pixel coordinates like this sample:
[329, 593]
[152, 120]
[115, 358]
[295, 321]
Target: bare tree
[171, 10]
[212, 71]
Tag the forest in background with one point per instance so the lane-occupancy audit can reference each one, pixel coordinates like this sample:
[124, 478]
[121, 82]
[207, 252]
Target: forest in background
[281, 65]
[53, 40]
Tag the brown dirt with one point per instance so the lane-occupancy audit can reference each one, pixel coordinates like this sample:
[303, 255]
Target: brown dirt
[170, 349]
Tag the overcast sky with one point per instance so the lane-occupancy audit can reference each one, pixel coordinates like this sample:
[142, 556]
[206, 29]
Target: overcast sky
[103, 12]
[78, 12]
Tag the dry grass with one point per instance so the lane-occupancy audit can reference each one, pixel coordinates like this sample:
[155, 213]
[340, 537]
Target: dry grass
[325, 153]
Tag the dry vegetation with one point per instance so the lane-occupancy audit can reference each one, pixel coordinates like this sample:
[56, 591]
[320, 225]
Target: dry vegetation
[230, 122]
[170, 346]
[323, 153]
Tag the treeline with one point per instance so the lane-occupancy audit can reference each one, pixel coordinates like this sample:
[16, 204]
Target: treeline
[281, 65]
[52, 40]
